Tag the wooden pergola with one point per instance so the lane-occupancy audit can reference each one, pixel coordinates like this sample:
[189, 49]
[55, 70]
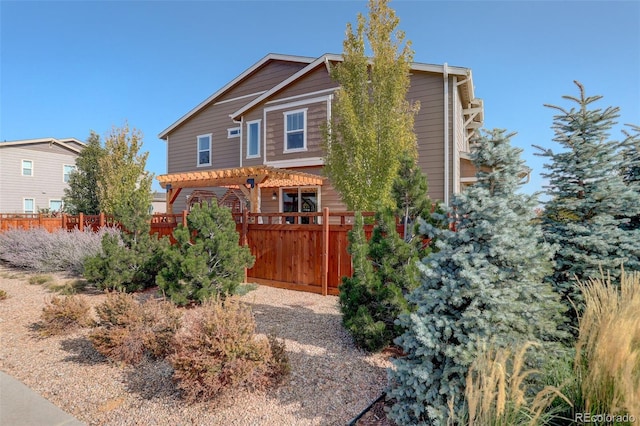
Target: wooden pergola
[249, 180]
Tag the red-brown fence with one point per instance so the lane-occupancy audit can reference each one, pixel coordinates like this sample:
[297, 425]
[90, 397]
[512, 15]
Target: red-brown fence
[298, 251]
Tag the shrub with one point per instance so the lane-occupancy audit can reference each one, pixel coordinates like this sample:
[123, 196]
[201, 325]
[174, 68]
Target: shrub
[42, 251]
[40, 279]
[128, 330]
[207, 260]
[607, 364]
[126, 264]
[62, 315]
[385, 272]
[217, 350]
[3, 294]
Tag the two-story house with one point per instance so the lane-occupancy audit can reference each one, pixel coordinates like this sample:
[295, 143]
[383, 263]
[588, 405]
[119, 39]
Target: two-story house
[35, 172]
[260, 135]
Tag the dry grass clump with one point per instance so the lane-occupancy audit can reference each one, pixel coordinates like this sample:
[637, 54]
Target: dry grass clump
[217, 350]
[128, 330]
[3, 294]
[62, 315]
[40, 279]
[496, 392]
[607, 360]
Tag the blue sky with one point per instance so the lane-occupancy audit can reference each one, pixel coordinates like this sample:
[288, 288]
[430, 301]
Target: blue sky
[71, 67]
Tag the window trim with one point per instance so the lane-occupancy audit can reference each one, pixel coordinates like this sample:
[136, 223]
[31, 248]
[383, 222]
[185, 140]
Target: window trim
[249, 123]
[286, 132]
[24, 205]
[73, 166]
[231, 132]
[22, 168]
[198, 150]
[56, 200]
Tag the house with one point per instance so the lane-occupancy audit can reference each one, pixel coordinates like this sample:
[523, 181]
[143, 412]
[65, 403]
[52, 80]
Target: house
[260, 135]
[35, 172]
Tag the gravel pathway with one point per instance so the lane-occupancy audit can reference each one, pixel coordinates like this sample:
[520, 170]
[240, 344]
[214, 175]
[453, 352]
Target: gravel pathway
[330, 383]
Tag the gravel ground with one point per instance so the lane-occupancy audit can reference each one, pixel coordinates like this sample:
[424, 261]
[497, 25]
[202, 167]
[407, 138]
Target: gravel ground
[330, 383]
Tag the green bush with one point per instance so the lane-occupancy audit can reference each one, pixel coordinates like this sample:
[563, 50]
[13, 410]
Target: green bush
[63, 315]
[126, 264]
[217, 350]
[385, 272]
[207, 259]
[129, 331]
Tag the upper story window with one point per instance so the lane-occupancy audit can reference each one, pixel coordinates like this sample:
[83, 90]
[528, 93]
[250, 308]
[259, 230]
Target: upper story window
[29, 205]
[66, 172]
[27, 168]
[253, 138]
[204, 150]
[234, 132]
[55, 205]
[295, 125]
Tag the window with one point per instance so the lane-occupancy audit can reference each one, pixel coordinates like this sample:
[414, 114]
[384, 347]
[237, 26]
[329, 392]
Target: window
[29, 205]
[204, 150]
[295, 138]
[253, 138]
[305, 200]
[55, 205]
[233, 133]
[66, 172]
[27, 168]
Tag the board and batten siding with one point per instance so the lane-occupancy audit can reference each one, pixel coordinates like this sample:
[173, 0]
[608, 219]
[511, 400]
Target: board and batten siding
[46, 183]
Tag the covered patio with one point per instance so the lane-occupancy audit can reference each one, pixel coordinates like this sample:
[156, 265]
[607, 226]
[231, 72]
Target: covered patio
[249, 180]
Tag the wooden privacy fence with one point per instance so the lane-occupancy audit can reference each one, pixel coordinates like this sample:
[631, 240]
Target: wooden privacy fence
[297, 251]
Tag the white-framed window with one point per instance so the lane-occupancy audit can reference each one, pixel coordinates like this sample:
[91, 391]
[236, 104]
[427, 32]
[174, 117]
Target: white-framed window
[295, 130]
[27, 168]
[253, 138]
[55, 205]
[204, 150]
[29, 205]
[67, 169]
[234, 132]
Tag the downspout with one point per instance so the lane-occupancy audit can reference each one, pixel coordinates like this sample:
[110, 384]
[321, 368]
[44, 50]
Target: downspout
[241, 135]
[456, 147]
[445, 74]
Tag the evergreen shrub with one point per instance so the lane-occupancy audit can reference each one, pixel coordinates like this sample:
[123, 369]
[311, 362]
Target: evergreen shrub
[206, 260]
[126, 264]
[217, 350]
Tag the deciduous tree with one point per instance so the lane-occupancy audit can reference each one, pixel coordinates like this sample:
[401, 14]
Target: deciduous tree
[372, 121]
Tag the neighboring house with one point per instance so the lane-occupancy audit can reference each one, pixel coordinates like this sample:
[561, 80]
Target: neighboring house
[35, 172]
[158, 203]
[261, 134]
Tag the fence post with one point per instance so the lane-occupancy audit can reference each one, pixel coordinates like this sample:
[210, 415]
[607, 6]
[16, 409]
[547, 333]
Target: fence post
[40, 220]
[325, 251]
[101, 220]
[64, 221]
[81, 222]
[184, 218]
[243, 238]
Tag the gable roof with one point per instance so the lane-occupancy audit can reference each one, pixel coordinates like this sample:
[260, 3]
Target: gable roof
[71, 144]
[234, 82]
[467, 81]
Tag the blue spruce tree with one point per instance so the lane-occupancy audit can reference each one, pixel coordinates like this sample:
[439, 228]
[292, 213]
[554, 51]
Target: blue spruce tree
[631, 169]
[590, 207]
[485, 285]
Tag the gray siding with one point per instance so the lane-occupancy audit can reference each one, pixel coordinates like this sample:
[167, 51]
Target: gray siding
[46, 183]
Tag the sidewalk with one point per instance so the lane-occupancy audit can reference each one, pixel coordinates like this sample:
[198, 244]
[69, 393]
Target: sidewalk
[20, 406]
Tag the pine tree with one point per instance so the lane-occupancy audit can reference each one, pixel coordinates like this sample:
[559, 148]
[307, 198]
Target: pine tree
[409, 190]
[631, 168]
[82, 194]
[207, 260]
[590, 206]
[485, 285]
[372, 122]
[385, 271]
